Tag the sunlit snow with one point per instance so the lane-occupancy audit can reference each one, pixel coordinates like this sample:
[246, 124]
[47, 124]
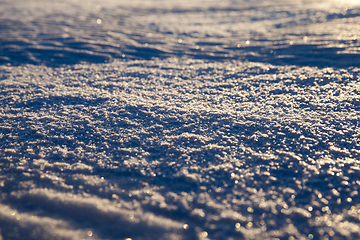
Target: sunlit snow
[179, 119]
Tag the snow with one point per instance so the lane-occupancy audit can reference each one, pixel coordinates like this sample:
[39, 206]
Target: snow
[179, 120]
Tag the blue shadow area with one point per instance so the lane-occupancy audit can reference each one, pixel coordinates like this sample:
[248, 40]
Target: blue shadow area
[50, 44]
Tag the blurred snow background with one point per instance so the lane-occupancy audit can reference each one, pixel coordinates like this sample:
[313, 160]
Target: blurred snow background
[179, 120]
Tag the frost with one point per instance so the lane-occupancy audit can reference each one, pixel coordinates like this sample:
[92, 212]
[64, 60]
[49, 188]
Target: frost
[179, 120]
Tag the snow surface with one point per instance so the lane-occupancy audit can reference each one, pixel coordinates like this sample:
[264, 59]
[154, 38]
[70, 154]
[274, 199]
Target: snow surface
[179, 119]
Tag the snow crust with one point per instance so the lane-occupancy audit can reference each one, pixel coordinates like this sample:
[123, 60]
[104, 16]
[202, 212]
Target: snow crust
[179, 120]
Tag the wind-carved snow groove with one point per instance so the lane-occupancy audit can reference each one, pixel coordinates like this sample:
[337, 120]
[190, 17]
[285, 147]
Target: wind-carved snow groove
[257, 32]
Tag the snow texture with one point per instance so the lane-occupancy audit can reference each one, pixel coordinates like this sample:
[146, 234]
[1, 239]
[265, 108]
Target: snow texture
[179, 119]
